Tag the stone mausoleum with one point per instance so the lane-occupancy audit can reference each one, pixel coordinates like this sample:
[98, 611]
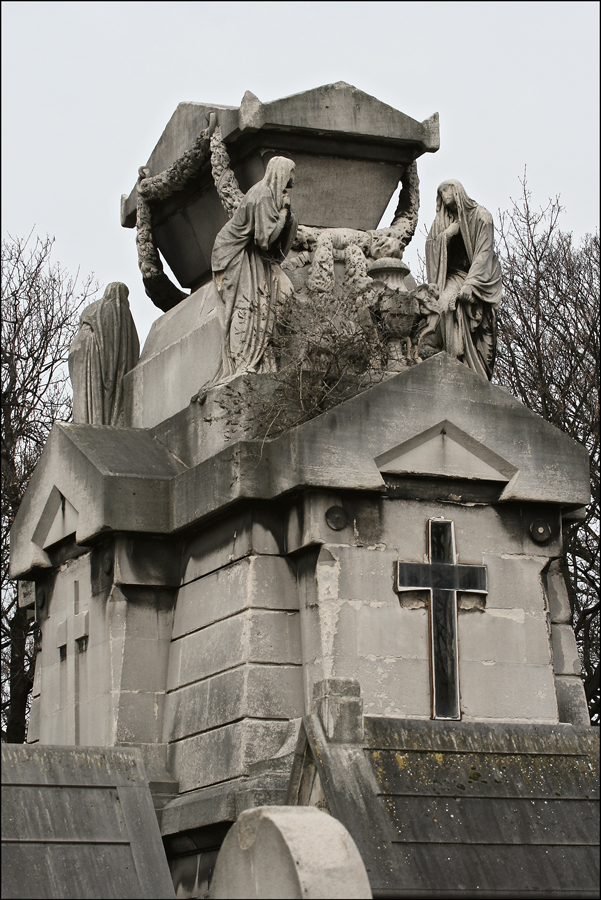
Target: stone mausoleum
[364, 614]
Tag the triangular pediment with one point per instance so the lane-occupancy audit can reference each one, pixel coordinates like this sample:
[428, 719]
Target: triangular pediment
[58, 520]
[448, 452]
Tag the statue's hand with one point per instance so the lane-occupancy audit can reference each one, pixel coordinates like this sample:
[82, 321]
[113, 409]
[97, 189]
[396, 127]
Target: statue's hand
[465, 293]
[286, 201]
[452, 230]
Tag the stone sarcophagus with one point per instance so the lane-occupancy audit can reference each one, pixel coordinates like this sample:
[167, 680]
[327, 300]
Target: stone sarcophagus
[350, 150]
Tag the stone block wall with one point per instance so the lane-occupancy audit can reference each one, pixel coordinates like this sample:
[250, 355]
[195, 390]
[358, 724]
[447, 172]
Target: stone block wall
[356, 626]
[202, 650]
[235, 676]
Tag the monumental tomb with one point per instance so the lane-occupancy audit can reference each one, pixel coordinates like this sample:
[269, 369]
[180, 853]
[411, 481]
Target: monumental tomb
[363, 613]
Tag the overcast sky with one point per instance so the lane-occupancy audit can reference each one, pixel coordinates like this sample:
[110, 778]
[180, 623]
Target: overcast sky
[87, 89]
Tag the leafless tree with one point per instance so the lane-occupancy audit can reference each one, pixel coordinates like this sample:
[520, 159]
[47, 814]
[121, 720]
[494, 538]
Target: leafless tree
[548, 356]
[40, 315]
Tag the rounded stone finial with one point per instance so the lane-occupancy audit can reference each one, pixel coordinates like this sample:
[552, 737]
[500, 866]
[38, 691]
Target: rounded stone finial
[289, 851]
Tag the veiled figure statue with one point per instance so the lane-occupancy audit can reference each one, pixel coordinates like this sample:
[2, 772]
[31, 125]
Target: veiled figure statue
[461, 261]
[246, 266]
[105, 348]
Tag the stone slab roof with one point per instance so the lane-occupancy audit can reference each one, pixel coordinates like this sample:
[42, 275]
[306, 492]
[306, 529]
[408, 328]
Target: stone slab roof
[441, 809]
[77, 823]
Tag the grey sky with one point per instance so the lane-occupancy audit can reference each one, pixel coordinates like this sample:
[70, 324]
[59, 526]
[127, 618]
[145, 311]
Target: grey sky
[87, 89]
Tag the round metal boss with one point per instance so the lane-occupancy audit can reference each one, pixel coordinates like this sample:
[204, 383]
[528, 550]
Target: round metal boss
[540, 531]
[337, 518]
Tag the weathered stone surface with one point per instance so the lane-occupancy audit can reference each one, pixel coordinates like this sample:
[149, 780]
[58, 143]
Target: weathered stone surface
[514, 581]
[146, 561]
[225, 753]
[398, 687]
[181, 353]
[557, 593]
[140, 716]
[252, 690]
[289, 852]
[261, 582]
[267, 636]
[126, 481]
[102, 669]
[115, 479]
[491, 416]
[243, 534]
[307, 522]
[364, 573]
[355, 624]
[435, 807]
[505, 636]
[507, 692]
[349, 111]
[565, 652]
[389, 631]
[571, 700]
[79, 822]
[202, 807]
[194, 586]
[485, 534]
[339, 706]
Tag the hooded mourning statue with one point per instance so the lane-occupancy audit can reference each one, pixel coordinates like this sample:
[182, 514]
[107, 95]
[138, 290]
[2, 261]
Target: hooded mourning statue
[105, 349]
[246, 265]
[461, 261]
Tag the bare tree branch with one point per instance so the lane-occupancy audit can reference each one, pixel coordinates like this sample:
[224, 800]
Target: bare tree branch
[548, 356]
[40, 315]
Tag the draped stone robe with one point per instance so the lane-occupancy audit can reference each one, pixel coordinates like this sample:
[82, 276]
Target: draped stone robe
[249, 279]
[469, 330]
[105, 349]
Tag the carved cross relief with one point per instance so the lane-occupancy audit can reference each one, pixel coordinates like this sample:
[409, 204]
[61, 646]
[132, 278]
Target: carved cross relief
[442, 577]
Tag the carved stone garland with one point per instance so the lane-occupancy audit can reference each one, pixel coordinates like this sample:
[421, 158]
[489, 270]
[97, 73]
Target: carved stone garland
[179, 175]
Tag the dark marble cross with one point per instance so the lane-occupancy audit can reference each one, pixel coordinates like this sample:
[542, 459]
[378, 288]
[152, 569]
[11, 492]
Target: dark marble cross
[442, 577]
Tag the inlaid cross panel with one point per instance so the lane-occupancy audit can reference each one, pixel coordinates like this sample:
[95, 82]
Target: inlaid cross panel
[442, 576]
